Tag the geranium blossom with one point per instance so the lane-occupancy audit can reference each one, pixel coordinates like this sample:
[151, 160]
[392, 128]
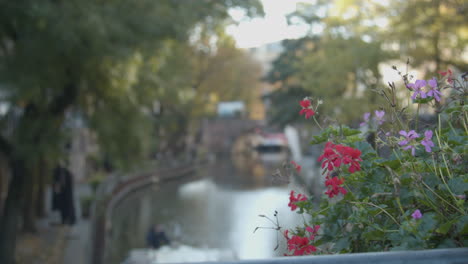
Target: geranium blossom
[366, 119]
[417, 87]
[313, 231]
[427, 141]
[434, 92]
[293, 200]
[296, 166]
[449, 77]
[300, 245]
[334, 186]
[306, 108]
[335, 155]
[409, 140]
[379, 116]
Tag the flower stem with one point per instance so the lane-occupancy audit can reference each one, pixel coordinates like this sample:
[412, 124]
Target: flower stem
[383, 210]
[316, 122]
[417, 116]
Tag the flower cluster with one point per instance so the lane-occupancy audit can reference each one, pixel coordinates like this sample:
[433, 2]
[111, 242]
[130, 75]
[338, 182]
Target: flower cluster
[379, 117]
[300, 245]
[389, 179]
[306, 108]
[335, 154]
[334, 186]
[409, 141]
[449, 75]
[294, 199]
[418, 88]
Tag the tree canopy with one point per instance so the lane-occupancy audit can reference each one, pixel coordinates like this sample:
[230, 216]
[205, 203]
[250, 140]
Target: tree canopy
[340, 60]
[102, 62]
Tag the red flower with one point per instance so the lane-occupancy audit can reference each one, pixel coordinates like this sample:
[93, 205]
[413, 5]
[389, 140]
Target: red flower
[300, 246]
[306, 108]
[297, 166]
[313, 231]
[449, 73]
[334, 155]
[334, 187]
[305, 103]
[293, 200]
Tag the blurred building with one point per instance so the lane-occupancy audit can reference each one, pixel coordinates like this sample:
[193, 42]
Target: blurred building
[231, 109]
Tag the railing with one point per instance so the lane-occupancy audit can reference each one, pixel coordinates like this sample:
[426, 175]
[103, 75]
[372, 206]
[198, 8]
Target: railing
[434, 256]
[115, 192]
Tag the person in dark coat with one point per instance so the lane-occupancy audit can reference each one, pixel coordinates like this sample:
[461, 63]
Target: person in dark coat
[62, 195]
[156, 237]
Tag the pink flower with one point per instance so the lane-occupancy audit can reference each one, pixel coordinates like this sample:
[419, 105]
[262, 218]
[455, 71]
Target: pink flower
[416, 215]
[380, 116]
[334, 186]
[409, 140]
[313, 231]
[293, 200]
[449, 77]
[306, 108]
[427, 141]
[417, 88]
[297, 166]
[433, 91]
[300, 246]
[366, 119]
[335, 155]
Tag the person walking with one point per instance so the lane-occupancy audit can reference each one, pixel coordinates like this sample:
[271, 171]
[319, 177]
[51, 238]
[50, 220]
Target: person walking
[62, 195]
[156, 237]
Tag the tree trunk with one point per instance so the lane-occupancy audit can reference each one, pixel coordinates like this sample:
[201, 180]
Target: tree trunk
[40, 193]
[3, 181]
[12, 212]
[29, 214]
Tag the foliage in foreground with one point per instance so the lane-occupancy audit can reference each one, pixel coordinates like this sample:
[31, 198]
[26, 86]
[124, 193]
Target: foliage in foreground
[400, 185]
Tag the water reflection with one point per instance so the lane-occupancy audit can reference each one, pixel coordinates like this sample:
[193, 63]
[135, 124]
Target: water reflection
[219, 211]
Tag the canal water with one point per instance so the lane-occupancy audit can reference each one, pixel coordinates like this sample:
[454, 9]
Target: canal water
[212, 217]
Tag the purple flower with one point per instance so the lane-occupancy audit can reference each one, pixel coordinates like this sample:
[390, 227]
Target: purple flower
[416, 215]
[380, 116]
[366, 119]
[427, 141]
[434, 92]
[409, 138]
[417, 88]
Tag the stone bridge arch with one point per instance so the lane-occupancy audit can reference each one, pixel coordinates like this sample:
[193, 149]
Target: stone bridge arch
[219, 135]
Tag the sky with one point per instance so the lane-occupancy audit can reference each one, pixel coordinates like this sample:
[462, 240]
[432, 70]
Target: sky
[271, 28]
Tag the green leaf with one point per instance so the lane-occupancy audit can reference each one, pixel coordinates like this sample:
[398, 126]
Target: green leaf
[322, 138]
[350, 132]
[364, 147]
[462, 225]
[423, 100]
[428, 224]
[374, 235]
[458, 185]
[444, 228]
[341, 244]
[393, 164]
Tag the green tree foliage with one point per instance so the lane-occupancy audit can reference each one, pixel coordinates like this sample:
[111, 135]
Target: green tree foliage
[341, 71]
[348, 40]
[429, 32]
[62, 58]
